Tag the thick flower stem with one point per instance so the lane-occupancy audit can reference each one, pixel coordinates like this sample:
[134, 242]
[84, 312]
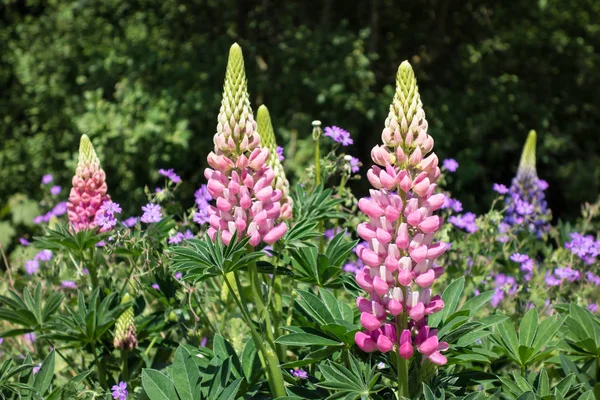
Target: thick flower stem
[274, 375]
[264, 315]
[401, 363]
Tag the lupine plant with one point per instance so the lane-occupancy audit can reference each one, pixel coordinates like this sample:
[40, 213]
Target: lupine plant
[266, 289]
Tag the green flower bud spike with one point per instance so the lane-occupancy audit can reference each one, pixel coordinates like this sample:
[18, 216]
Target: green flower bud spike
[125, 338]
[406, 126]
[236, 128]
[527, 163]
[267, 139]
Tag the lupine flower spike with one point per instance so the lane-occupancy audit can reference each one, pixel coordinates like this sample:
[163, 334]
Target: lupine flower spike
[125, 338]
[400, 251]
[267, 139]
[239, 178]
[89, 189]
[526, 204]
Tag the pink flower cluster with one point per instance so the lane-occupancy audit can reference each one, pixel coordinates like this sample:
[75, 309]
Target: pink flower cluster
[246, 201]
[400, 251]
[239, 178]
[89, 189]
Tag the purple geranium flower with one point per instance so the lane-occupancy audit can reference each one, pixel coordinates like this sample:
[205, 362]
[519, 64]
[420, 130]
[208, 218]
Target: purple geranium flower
[280, 155]
[355, 164]
[119, 392]
[339, 135]
[450, 164]
[46, 179]
[169, 173]
[500, 188]
[55, 190]
[32, 266]
[299, 373]
[152, 213]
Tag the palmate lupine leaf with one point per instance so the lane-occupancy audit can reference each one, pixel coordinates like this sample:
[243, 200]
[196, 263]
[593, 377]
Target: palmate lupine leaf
[200, 259]
[318, 205]
[61, 238]
[358, 382]
[30, 311]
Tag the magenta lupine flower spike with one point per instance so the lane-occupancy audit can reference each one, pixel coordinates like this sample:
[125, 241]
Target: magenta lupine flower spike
[239, 178]
[400, 250]
[89, 189]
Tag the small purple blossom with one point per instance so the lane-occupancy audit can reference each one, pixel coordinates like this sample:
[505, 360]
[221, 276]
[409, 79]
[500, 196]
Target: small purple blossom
[119, 392]
[593, 308]
[24, 242]
[542, 184]
[68, 285]
[46, 179]
[169, 173]
[500, 188]
[178, 275]
[593, 278]
[203, 342]
[339, 135]
[101, 243]
[202, 195]
[130, 222]
[152, 213]
[354, 164]
[36, 369]
[60, 209]
[155, 286]
[55, 190]
[299, 373]
[44, 255]
[179, 237]
[30, 337]
[519, 258]
[280, 155]
[330, 233]
[105, 220]
[455, 205]
[450, 164]
[32, 266]
[111, 207]
[584, 247]
[1, 340]
[567, 273]
[465, 221]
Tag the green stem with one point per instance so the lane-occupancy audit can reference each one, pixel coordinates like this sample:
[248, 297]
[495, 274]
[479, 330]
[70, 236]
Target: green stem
[256, 287]
[274, 375]
[401, 363]
[99, 367]
[317, 163]
[125, 367]
[93, 272]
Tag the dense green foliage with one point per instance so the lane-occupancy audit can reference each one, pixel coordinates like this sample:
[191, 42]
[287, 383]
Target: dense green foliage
[142, 78]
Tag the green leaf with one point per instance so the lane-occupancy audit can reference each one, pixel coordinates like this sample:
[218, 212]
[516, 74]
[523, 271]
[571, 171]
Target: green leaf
[306, 339]
[44, 375]
[186, 375]
[509, 338]
[475, 303]
[528, 328]
[157, 385]
[451, 297]
[230, 392]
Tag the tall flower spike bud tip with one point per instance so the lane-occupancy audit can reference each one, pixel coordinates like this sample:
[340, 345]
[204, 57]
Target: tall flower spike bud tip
[125, 336]
[400, 232]
[267, 139]
[527, 163]
[89, 191]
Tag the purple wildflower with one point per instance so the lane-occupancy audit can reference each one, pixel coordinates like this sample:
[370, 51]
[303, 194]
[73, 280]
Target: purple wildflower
[152, 213]
[44, 255]
[46, 179]
[24, 242]
[584, 247]
[176, 238]
[203, 342]
[280, 155]
[465, 221]
[169, 173]
[330, 233]
[55, 190]
[111, 207]
[68, 285]
[155, 286]
[567, 273]
[542, 184]
[354, 164]
[519, 258]
[119, 392]
[36, 369]
[299, 373]
[32, 266]
[101, 243]
[30, 337]
[450, 164]
[105, 220]
[593, 308]
[130, 222]
[500, 188]
[202, 195]
[60, 209]
[178, 275]
[593, 278]
[339, 135]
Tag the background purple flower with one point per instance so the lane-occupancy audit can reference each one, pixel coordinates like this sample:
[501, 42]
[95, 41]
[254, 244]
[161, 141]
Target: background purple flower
[46, 179]
[354, 164]
[24, 242]
[130, 222]
[500, 188]
[119, 392]
[170, 173]
[339, 135]
[464, 221]
[55, 190]
[152, 213]
[68, 285]
[299, 373]
[44, 255]
[450, 164]
[32, 266]
[280, 155]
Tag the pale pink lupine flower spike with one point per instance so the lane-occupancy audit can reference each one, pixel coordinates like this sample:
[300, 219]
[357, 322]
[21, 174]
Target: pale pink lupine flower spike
[239, 178]
[400, 252]
[89, 189]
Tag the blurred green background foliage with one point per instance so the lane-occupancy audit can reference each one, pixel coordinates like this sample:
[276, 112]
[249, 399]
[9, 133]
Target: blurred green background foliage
[143, 78]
